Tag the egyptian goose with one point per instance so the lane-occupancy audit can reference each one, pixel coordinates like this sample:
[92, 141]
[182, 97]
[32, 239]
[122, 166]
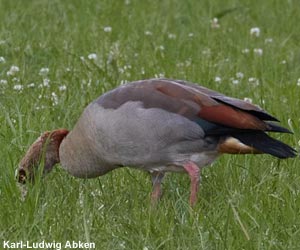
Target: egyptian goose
[156, 125]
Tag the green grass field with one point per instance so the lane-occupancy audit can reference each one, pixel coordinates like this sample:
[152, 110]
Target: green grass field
[57, 56]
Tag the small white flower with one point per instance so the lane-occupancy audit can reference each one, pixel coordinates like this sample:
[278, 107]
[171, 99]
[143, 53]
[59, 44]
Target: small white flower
[255, 31]
[188, 62]
[171, 36]
[15, 79]
[82, 58]
[298, 82]
[206, 52]
[148, 33]
[62, 87]
[245, 51]
[269, 40]
[235, 81]
[107, 29]
[3, 81]
[54, 99]
[92, 56]
[31, 85]
[258, 51]
[218, 79]
[190, 34]
[239, 75]
[46, 82]
[283, 62]
[123, 82]
[253, 81]
[161, 47]
[2, 59]
[247, 99]
[18, 87]
[159, 75]
[215, 23]
[122, 245]
[44, 71]
[13, 70]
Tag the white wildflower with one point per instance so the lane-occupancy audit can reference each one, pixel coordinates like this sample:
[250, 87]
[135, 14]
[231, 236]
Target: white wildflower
[3, 81]
[123, 82]
[218, 79]
[206, 52]
[62, 87]
[298, 82]
[92, 56]
[255, 31]
[54, 99]
[188, 62]
[148, 33]
[258, 51]
[122, 245]
[171, 36]
[82, 58]
[269, 40]
[215, 23]
[46, 82]
[2, 59]
[191, 35]
[247, 99]
[253, 81]
[240, 75]
[159, 75]
[245, 51]
[44, 71]
[13, 70]
[16, 79]
[18, 87]
[161, 47]
[107, 29]
[235, 81]
[283, 62]
[31, 85]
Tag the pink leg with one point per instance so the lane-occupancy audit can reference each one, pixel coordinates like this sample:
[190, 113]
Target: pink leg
[157, 178]
[194, 172]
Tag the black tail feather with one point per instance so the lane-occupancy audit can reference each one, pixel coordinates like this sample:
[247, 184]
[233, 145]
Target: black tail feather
[277, 128]
[266, 144]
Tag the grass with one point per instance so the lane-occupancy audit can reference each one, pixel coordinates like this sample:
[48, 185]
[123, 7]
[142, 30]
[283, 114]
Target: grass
[246, 202]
